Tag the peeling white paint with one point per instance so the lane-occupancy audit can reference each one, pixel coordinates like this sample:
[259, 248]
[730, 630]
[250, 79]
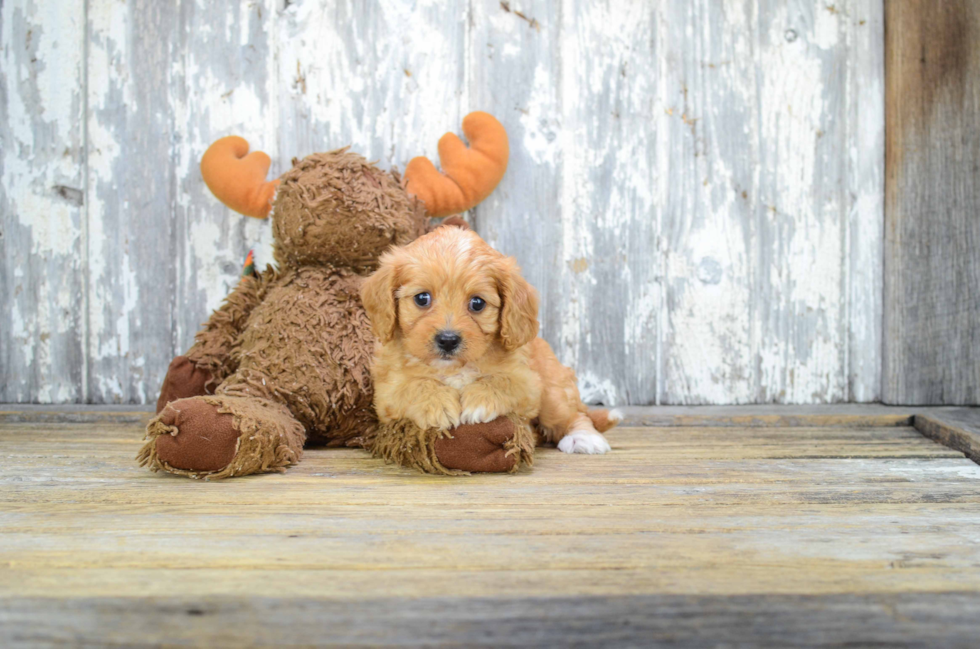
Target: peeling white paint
[865, 190]
[541, 121]
[697, 195]
[206, 259]
[595, 389]
[825, 27]
[40, 192]
[387, 86]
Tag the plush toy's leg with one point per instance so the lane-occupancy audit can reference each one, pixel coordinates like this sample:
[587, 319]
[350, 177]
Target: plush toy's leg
[211, 358]
[184, 379]
[221, 436]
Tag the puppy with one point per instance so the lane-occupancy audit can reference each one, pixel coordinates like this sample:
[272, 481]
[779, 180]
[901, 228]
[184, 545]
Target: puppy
[457, 329]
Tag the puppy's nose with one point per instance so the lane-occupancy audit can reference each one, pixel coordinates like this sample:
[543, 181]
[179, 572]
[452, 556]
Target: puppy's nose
[448, 341]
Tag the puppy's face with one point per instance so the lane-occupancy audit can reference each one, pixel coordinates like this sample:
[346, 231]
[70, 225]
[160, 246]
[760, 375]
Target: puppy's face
[448, 298]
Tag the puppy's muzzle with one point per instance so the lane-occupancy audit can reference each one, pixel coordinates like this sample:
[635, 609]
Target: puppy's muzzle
[448, 342]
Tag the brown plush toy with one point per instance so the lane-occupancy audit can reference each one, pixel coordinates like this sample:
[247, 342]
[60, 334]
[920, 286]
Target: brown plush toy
[286, 358]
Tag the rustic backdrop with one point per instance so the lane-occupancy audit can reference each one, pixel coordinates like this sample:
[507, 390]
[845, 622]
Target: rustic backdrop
[696, 187]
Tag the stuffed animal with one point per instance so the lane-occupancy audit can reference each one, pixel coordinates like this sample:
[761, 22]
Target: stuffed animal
[285, 359]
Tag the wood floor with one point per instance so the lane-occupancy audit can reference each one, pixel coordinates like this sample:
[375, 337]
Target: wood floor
[863, 532]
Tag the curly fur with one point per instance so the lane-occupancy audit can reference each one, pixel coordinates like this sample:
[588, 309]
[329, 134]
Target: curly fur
[499, 367]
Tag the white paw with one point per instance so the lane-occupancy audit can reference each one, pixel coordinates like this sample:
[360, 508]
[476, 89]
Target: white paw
[478, 415]
[584, 441]
[615, 415]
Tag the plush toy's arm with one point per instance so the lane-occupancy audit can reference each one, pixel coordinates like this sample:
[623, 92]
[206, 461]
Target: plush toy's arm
[210, 358]
[213, 345]
[500, 446]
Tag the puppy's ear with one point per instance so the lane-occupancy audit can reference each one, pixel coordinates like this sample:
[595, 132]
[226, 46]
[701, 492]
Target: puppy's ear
[519, 311]
[378, 296]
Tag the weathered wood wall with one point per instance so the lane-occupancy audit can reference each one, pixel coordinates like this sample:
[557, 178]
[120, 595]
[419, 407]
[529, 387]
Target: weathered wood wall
[932, 239]
[696, 188]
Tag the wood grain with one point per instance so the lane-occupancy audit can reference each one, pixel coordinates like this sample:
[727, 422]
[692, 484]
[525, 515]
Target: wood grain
[42, 203]
[224, 81]
[384, 79]
[958, 429]
[685, 159]
[931, 619]
[130, 179]
[695, 188]
[932, 270]
[685, 533]
[759, 219]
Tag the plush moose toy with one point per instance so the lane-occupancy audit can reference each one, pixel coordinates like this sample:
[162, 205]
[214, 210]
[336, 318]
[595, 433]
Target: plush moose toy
[286, 358]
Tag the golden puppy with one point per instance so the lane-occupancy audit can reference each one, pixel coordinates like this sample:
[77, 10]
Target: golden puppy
[457, 326]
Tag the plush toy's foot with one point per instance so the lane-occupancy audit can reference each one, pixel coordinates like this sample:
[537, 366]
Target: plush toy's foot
[184, 379]
[479, 448]
[220, 436]
[201, 438]
[500, 446]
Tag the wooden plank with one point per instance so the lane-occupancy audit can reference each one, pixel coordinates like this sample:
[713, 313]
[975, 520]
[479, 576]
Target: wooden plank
[744, 505]
[643, 134]
[767, 199]
[130, 195]
[514, 72]
[394, 586]
[932, 619]
[224, 82]
[11, 413]
[864, 145]
[630, 158]
[121, 520]
[842, 415]
[958, 429]
[32, 441]
[42, 197]
[932, 197]
[752, 415]
[751, 466]
[385, 80]
[948, 426]
[573, 82]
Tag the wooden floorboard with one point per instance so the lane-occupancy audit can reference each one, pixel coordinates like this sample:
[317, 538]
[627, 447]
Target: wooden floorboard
[683, 535]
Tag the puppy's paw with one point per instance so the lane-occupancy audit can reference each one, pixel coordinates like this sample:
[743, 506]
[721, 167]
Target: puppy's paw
[584, 441]
[442, 412]
[479, 406]
[479, 415]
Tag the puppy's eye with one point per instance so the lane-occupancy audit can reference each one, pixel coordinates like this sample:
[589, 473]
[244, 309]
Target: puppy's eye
[423, 300]
[477, 304]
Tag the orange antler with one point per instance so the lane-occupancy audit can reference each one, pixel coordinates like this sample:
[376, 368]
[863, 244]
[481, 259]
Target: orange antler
[469, 175]
[237, 177]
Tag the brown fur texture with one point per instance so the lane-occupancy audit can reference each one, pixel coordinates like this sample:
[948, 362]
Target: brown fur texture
[288, 352]
[215, 348]
[286, 357]
[338, 208]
